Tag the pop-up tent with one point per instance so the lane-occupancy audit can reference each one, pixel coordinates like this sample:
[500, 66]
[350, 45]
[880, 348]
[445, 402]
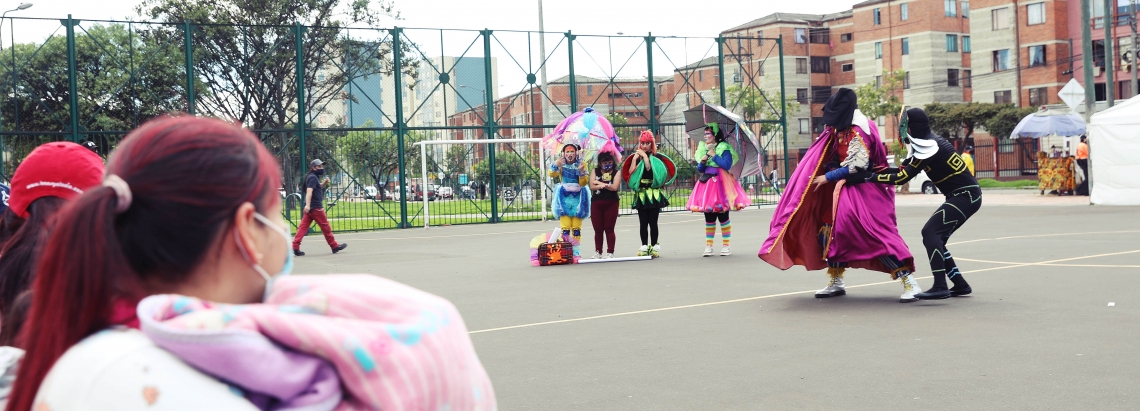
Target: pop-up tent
[1114, 154]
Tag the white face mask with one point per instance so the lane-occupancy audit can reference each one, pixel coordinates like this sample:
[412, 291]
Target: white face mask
[285, 269]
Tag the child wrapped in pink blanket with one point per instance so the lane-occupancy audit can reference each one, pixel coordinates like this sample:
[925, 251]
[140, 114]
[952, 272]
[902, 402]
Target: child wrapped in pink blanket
[333, 342]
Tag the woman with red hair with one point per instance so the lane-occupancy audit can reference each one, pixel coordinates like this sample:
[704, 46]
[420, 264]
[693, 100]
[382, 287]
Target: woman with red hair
[647, 172]
[189, 207]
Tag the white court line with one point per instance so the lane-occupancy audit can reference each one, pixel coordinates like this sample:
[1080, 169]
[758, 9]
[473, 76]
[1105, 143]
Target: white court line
[1048, 264]
[777, 295]
[1042, 235]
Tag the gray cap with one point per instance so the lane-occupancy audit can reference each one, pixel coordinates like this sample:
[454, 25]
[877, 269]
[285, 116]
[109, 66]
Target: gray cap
[315, 163]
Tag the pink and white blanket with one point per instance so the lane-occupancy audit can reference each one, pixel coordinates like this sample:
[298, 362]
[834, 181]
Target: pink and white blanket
[331, 342]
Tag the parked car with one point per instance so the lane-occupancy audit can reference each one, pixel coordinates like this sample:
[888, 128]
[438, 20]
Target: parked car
[467, 192]
[370, 193]
[446, 192]
[920, 183]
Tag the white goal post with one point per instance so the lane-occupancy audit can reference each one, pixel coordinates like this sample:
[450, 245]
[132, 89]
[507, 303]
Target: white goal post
[424, 174]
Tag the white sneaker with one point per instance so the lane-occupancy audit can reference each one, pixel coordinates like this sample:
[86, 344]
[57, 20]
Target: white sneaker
[643, 251]
[910, 288]
[725, 251]
[607, 256]
[655, 251]
[834, 288]
[597, 256]
[708, 251]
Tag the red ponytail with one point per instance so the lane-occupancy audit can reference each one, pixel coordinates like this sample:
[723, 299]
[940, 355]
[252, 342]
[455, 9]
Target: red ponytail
[188, 175]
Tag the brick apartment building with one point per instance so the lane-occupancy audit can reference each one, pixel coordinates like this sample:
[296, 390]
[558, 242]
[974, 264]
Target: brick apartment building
[1121, 42]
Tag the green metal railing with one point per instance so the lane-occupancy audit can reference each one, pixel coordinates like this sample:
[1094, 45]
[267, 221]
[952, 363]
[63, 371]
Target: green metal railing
[359, 98]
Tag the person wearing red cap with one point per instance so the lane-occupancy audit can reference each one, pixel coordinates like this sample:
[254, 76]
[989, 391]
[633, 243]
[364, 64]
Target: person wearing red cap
[47, 178]
[314, 209]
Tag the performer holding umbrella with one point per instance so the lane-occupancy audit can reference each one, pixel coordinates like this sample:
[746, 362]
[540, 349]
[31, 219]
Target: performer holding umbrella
[726, 150]
[575, 141]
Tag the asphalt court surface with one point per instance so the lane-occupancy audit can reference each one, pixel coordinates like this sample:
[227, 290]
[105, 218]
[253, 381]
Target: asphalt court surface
[685, 332]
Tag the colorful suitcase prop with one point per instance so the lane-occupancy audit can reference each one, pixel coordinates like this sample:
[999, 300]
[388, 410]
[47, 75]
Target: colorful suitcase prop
[553, 249]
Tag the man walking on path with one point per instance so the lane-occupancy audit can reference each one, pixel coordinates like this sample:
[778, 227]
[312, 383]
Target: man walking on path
[314, 209]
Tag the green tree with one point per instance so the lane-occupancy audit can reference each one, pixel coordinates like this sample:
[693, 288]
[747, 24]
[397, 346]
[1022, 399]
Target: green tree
[685, 170]
[122, 80]
[375, 154]
[511, 169]
[1005, 119]
[959, 120]
[885, 99]
[621, 126]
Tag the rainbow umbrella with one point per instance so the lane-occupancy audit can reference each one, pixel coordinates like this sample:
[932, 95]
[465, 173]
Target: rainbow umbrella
[588, 130]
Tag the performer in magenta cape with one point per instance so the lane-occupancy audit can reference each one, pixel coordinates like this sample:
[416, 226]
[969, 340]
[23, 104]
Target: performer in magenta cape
[823, 222]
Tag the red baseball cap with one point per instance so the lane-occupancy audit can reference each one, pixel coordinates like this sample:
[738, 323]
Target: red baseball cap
[59, 169]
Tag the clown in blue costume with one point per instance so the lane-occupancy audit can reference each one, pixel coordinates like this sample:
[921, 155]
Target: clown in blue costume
[571, 204]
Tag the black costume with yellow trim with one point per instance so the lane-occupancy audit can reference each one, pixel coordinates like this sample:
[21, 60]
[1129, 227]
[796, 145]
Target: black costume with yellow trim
[942, 164]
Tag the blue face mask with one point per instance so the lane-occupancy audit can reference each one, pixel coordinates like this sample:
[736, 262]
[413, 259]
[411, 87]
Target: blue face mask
[285, 269]
[319, 171]
[608, 166]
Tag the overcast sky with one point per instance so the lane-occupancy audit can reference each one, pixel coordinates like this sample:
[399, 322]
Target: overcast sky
[598, 57]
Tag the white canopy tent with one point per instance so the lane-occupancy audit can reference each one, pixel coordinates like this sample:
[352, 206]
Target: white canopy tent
[1114, 154]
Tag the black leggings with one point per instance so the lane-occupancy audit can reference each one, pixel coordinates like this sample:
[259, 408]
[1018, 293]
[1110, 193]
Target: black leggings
[648, 219]
[959, 206]
[713, 217]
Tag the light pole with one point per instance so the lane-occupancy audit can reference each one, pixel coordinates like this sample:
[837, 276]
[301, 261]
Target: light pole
[22, 6]
[481, 89]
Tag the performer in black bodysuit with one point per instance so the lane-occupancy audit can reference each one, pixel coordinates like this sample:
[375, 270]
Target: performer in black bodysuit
[930, 153]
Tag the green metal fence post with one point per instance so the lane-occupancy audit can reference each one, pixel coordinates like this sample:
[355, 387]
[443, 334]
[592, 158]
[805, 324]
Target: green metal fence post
[299, 51]
[783, 105]
[652, 87]
[720, 66]
[398, 77]
[489, 112]
[573, 81]
[188, 29]
[72, 75]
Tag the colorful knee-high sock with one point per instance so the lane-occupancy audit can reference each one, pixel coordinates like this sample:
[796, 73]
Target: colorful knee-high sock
[710, 233]
[726, 232]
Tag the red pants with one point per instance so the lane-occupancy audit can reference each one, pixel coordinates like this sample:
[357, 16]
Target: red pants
[318, 215]
[603, 215]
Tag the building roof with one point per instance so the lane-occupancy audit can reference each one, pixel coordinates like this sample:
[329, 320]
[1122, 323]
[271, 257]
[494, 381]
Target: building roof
[789, 18]
[585, 79]
[869, 3]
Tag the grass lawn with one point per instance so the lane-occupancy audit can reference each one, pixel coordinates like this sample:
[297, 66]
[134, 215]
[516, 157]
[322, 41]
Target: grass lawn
[991, 183]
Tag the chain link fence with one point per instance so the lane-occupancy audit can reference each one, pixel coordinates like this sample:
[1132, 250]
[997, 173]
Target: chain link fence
[361, 98]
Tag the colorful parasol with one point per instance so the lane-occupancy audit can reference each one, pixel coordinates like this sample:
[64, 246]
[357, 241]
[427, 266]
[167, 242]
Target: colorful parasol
[588, 130]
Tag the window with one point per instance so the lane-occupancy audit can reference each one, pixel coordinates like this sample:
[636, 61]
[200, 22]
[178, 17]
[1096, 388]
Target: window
[320, 77]
[906, 80]
[820, 65]
[965, 9]
[966, 80]
[952, 43]
[820, 94]
[878, 17]
[1005, 145]
[820, 36]
[589, 90]
[878, 81]
[1001, 60]
[965, 44]
[952, 77]
[1036, 56]
[801, 66]
[805, 126]
[818, 125]
[801, 36]
[905, 46]
[904, 12]
[846, 37]
[848, 67]
[878, 50]
[802, 95]
[1098, 53]
[1038, 97]
[700, 75]
[951, 8]
[1000, 18]
[1003, 97]
[1036, 13]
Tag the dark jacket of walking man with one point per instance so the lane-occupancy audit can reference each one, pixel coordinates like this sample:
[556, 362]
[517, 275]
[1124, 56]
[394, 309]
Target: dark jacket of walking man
[314, 209]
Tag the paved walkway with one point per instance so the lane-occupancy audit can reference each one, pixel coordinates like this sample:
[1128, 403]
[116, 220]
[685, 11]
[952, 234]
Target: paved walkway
[1051, 325]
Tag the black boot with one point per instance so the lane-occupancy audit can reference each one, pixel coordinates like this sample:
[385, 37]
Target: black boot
[934, 293]
[961, 287]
